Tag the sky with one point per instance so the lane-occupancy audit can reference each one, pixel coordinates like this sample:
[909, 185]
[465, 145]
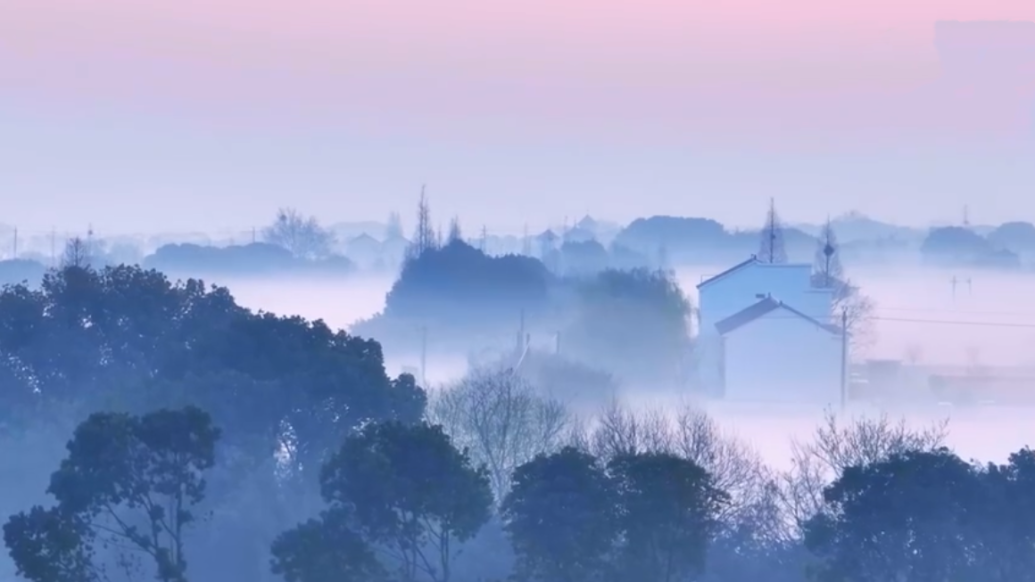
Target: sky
[208, 115]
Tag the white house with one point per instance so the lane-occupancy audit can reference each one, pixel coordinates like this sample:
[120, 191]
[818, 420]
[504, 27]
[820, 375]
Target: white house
[772, 352]
[752, 319]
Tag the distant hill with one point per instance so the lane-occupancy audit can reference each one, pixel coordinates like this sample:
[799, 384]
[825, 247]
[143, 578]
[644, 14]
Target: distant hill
[854, 227]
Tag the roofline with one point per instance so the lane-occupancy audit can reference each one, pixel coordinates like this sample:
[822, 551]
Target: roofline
[753, 260]
[750, 261]
[833, 329]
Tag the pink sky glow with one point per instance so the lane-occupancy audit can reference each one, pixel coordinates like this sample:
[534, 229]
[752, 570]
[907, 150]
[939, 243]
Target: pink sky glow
[654, 83]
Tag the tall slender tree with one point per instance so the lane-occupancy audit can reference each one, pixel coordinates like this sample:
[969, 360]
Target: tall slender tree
[771, 248]
[827, 270]
[424, 237]
[849, 306]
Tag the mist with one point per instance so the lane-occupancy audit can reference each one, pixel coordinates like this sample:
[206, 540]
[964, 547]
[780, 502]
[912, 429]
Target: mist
[990, 319]
[547, 370]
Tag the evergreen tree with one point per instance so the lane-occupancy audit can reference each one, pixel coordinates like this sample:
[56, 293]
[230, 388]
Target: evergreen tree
[424, 237]
[771, 247]
[827, 270]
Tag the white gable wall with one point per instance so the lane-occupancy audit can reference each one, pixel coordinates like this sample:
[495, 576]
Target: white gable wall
[780, 357]
[789, 283]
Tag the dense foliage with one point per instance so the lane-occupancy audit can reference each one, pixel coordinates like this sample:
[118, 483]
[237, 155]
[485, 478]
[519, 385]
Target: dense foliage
[631, 323]
[123, 339]
[196, 440]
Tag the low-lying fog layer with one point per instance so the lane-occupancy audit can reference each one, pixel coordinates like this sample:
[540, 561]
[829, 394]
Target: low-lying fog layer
[989, 320]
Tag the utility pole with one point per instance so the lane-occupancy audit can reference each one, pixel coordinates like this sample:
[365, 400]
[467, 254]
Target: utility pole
[844, 359]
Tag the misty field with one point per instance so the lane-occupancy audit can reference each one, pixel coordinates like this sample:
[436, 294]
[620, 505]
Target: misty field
[990, 321]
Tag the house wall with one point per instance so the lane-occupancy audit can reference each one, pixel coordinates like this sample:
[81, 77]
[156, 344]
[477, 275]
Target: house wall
[790, 283]
[780, 357]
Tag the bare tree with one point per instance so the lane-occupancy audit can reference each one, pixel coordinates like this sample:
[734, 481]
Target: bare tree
[691, 434]
[838, 445]
[501, 419]
[620, 431]
[857, 311]
[771, 245]
[76, 253]
[424, 237]
[302, 236]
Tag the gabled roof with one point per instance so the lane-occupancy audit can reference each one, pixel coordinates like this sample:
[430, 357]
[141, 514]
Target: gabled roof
[763, 307]
[729, 271]
[363, 238]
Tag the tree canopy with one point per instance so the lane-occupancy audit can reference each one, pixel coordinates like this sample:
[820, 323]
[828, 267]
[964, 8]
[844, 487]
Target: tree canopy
[128, 488]
[402, 488]
[124, 339]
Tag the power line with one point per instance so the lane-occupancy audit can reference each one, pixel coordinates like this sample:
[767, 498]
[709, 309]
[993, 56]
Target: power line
[956, 311]
[958, 322]
[935, 321]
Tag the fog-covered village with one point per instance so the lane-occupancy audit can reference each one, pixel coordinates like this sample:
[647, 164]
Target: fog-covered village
[528, 291]
[666, 399]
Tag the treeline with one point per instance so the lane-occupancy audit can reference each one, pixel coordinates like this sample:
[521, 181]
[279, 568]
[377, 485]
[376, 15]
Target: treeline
[292, 244]
[454, 298]
[629, 500]
[159, 430]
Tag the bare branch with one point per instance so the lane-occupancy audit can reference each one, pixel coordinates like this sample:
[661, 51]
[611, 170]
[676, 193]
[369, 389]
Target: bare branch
[502, 421]
[838, 445]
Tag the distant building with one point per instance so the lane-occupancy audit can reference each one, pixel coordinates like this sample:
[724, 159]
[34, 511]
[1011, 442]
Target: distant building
[364, 250]
[765, 334]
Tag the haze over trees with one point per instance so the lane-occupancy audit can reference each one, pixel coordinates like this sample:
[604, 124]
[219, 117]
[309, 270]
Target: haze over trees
[302, 236]
[467, 300]
[850, 306]
[655, 242]
[159, 430]
[772, 247]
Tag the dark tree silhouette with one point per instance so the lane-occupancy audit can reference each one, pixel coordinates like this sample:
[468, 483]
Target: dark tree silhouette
[76, 253]
[405, 490]
[128, 484]
[561, 517]
[826, 265]
[771, 245]
[669, 515]
[424, 237]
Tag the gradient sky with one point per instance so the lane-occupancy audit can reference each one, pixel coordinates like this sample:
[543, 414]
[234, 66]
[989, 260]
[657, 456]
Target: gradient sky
[209, 114]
